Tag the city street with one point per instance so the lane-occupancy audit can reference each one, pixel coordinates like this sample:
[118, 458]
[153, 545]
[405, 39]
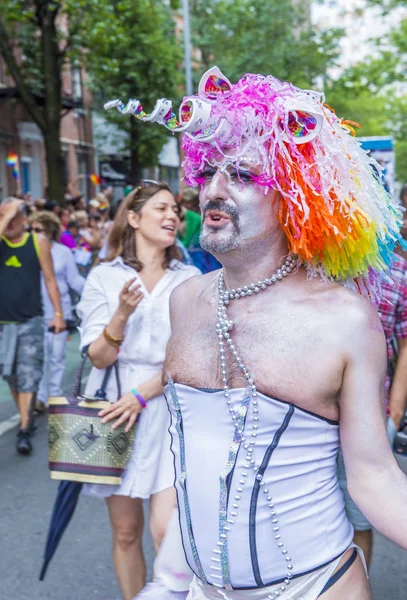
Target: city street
[82, 566]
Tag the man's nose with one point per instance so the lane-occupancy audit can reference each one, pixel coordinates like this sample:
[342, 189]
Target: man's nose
[217, 187]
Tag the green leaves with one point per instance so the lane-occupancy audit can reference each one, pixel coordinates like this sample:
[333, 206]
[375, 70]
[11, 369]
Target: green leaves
[373, 93]
[267, 36]
[132, 52]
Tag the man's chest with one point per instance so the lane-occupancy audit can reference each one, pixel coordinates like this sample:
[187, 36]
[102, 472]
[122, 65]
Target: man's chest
[290, 356]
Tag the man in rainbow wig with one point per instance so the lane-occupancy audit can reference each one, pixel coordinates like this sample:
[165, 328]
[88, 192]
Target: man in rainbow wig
[281, 352]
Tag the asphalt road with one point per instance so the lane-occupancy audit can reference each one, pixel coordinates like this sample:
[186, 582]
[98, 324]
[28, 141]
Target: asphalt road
[82, 567]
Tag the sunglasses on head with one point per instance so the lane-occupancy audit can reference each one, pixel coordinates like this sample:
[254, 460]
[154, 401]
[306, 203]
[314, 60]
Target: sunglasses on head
[147, 182]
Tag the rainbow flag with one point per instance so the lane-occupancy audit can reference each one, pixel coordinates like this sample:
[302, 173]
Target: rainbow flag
[95, 179]
[12, 161]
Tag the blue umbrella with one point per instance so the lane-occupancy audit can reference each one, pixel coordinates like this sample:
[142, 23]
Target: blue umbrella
[64, 508]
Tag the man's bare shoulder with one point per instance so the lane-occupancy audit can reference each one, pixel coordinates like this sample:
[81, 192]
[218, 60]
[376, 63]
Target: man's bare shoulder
[189, 292]
[355, 318]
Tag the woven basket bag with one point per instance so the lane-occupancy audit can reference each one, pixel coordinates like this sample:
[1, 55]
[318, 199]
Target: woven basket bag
[81, 447]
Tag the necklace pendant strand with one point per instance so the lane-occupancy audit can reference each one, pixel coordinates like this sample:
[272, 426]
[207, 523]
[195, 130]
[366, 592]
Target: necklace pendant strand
[224, 326]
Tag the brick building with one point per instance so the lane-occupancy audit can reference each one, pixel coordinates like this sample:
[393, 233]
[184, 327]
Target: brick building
[18, 133]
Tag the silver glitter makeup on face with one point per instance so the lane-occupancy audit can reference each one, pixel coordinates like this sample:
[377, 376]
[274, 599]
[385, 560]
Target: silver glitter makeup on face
[233, 187]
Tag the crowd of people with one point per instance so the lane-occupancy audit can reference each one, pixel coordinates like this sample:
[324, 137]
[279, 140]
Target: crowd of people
[258, 407]
[75, 237]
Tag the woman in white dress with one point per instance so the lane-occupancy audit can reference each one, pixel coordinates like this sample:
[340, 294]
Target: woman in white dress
[125, 306]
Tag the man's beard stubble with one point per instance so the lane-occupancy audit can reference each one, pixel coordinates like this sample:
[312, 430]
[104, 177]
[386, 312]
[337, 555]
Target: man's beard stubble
[211, 240]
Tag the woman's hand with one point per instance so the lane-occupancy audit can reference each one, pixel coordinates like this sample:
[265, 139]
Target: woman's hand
[129, 298]
[127, 409]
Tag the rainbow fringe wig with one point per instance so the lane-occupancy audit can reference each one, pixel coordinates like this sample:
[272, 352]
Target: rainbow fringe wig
[333, 208]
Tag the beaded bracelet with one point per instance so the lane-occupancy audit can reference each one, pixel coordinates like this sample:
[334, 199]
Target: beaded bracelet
[139, 397]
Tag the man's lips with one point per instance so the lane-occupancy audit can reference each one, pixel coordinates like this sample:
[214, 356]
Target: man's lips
[216, 218]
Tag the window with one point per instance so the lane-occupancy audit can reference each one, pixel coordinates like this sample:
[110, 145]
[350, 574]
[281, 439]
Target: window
[77, 90]
[66, 165]
[26, 174]
[82, 158]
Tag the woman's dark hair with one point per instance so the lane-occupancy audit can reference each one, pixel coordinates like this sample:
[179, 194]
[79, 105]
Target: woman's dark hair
[50, 223]
[73, 224]
[50, 205]
[122, 240]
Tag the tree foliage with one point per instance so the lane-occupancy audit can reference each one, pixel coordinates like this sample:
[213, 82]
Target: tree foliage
[267, 36]
[37, 38]
[373, 92]
[129, 49]
[387, 5]
[133, 53]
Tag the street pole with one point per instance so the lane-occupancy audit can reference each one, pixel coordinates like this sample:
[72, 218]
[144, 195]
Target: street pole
[187, 44]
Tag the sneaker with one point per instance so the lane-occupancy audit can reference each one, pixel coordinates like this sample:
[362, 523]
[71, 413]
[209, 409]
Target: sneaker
[24, 445]
[40, 408]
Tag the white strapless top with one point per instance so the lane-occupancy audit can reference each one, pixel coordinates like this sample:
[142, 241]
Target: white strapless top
[232, 538]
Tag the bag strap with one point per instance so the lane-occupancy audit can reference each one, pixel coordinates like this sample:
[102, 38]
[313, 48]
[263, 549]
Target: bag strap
[101, 393]
[77, 386]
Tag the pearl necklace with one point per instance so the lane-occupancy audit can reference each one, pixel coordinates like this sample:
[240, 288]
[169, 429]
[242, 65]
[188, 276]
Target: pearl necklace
[223, 328]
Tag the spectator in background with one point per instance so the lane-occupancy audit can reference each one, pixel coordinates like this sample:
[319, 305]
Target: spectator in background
[52, 206]
[91, 236]
[393, 315]
[39, 204]
[64, 217]
[95, 221]
[71, 237]
[78, 203]
[68, 278]
[80, 247]
[93, 208]
[23, 257]
[69, 205]
[190, 227]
